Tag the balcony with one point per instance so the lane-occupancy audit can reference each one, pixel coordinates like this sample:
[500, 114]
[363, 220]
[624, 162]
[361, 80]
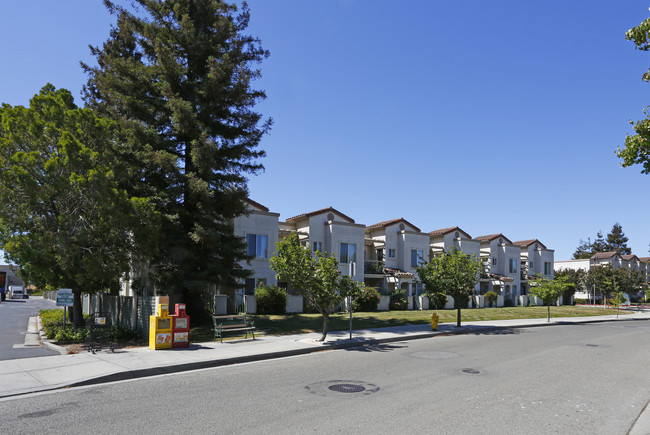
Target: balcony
[373, 267]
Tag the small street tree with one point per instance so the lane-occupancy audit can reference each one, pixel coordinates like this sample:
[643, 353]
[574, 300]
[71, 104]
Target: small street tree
[617, 300]
[453, 273]
[63, 219]
[548, 291]
[315, 275]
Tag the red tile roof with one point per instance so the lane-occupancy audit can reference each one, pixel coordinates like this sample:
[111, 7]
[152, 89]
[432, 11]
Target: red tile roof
[398, 273]
[527, 243]
[322, 211]
[608, 254]
[645, 259]
[256, 204]
[443, 231]
[629, 257]
[385, 224]
[490, 237]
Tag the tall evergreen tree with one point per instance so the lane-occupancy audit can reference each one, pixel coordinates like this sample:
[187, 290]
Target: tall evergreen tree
[616, 240]
[599, 244]
[177, 76]
[584, 249]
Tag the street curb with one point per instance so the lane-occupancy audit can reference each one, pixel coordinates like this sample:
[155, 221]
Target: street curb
[358, 342]
[47, 342]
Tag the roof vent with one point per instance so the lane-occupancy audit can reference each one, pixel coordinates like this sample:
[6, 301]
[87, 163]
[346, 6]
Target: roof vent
[330, 216]
[500, 241]
[401, 227]
[457, 234]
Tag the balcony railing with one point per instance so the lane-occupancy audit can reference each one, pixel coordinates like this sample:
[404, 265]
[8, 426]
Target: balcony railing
[373, 267]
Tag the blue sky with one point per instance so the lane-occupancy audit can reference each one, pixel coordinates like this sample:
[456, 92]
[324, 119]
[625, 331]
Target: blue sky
[498, 116]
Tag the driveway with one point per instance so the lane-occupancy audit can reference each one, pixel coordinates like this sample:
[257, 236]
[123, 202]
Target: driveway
[14, 318]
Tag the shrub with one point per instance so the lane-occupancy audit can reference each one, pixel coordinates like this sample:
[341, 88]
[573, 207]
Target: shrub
[367, 300]
[579, 301]
[271, 300]
[437, 300]
[71, 335]
[53, 327]
[491, 298]
[121, 333]
[398, 300]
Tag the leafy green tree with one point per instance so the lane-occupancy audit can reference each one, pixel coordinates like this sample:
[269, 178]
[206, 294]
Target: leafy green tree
[177, 76]
[63, 218]
[453, 273]
[616, 240]
[636, 148]
[315, 275]
[548, 291]
[601, 279]
[576, 280]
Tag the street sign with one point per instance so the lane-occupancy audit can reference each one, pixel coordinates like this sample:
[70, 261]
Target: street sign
[64, 297]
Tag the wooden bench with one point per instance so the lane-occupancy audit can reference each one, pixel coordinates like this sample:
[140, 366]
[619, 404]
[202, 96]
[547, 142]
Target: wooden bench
[234, 323]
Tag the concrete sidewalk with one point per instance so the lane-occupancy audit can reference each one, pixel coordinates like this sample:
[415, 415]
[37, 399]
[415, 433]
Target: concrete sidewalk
[21, 376]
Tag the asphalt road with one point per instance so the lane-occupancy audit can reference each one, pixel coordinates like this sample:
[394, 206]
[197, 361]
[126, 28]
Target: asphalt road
[589, 378]
[14, 316]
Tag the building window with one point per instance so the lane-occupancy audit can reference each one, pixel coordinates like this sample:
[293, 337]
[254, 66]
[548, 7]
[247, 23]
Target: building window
[417, 257]
[257, 245]
[531, 265]
[252, 284]
[391, 253]
[317, 246]
[348, 253]
[494, 261]
[547, 268]
[512, 265]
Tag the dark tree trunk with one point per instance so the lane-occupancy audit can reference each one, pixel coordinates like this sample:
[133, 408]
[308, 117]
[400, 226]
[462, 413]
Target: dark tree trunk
[325, 319]
[458, 317]
[548, 316]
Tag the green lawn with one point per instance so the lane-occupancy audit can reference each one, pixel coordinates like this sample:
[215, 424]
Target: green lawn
[302, 323]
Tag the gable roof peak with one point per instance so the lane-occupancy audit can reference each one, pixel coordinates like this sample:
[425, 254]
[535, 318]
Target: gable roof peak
[329, 209]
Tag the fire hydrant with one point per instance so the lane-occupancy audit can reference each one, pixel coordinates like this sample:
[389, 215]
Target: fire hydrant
[434, 321]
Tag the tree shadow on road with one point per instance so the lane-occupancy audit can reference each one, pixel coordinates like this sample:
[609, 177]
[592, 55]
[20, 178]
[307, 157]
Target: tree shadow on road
[477, 330]
[376, 347]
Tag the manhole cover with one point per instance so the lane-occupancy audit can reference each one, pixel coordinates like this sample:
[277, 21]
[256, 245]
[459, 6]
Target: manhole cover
[347, 388]
[471, 371]
[329, 388]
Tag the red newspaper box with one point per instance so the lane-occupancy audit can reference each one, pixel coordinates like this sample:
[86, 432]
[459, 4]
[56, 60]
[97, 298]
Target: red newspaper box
[180, 327]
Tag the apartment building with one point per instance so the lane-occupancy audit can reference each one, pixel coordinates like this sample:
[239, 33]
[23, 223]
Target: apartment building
[393, 250]
[536, 260]
[329, 230]
[260, 230]
[613, 259]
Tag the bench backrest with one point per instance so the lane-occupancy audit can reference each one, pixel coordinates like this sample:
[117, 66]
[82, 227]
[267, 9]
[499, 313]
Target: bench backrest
[233, 321]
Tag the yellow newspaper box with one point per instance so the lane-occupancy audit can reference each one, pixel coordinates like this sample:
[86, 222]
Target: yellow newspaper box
[160, 328]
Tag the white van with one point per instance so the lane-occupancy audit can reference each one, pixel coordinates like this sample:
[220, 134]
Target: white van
[16, 292]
